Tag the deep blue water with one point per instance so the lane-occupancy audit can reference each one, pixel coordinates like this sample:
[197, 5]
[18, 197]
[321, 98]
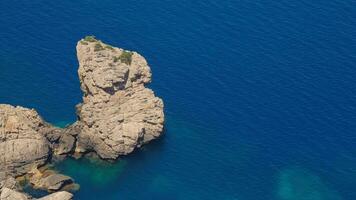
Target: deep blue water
[260, 95]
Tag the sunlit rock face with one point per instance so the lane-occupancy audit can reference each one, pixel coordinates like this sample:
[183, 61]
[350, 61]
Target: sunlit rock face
[118, 113]
[22, 145]
[27, 141]
[300, 184]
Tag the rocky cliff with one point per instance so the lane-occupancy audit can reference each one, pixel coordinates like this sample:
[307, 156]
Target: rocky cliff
[118, 114]
[27, 142]
[22, 145]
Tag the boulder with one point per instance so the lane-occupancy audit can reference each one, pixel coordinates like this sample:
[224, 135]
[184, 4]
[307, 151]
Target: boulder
[53, 182]
[9, 194]
[58, 196]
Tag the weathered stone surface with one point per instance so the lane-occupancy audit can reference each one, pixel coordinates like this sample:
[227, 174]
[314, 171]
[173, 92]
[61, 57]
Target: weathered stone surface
[27, 142]
[118, 113]
[61, 140]
[9, 183]
[65, 145]
[22, 146]
[58, 196]
[8, 194]
[53, 182]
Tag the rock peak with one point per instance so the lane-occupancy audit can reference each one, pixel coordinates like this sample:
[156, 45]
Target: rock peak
[110, 68]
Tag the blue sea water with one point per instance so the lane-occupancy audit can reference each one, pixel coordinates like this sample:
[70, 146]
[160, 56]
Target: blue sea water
[260, 95]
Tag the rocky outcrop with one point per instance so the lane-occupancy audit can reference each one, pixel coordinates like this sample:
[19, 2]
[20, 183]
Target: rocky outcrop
[49, 180]
[22, 145]
[9, 194]
[10, 183]
[55, 182]
[8, 190]
[27, 142]
[58, 196]
[118, 113]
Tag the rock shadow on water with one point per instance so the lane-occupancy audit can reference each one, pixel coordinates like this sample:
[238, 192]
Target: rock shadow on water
[300, 184]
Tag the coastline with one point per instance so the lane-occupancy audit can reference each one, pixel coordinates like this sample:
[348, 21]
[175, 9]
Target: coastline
[117, 115]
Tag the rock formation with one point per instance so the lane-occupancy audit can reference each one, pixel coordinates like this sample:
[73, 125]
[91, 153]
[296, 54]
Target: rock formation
[27, 142]
[118, 114]
[9, 194]
[22, 145]
[49, 180]
[58, 196]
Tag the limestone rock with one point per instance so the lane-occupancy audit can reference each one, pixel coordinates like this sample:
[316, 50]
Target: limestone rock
[58, 196]
[53, 182]
[22, 145]
[28, 142]
[8, 194]
[10, 183]
[62, 142]
[118, 113]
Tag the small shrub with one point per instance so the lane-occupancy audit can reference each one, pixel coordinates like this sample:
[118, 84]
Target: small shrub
[90, 38]
[109, 47]
[126, 57]
[116, 58]
[83, 42]
[98, 47]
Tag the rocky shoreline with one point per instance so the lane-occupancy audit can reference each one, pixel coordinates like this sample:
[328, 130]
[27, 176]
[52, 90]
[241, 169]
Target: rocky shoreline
[118, 115]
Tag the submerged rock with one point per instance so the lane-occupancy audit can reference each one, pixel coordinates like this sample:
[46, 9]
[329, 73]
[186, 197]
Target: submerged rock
[300, 184]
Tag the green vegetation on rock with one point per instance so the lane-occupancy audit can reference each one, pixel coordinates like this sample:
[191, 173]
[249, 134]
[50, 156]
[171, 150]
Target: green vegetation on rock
[116, 58]
[83, 42]
[98, 47]
[90, 38]
[125, 57]
[109, 47]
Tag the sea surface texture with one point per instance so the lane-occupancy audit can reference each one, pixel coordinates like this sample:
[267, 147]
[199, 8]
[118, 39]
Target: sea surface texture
[260, 95]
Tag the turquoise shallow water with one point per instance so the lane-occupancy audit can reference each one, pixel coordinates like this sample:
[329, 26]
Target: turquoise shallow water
[259, 95]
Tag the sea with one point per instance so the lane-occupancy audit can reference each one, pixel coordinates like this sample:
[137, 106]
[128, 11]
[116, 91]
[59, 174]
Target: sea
[260, 95]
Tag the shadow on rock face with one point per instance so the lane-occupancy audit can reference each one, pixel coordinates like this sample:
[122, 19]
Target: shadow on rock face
[300, 184]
